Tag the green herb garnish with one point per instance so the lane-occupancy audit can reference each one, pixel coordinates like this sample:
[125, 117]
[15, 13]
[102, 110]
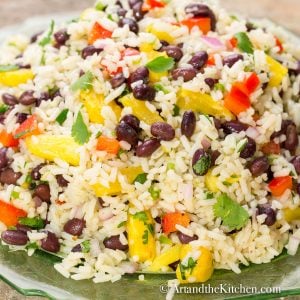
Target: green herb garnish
[15, 195]
[61, 118]
[244, 43]
[84, 82]
[80, 132]
[202, 165]
[122, 224]
[159, 88]
[160, 64]
[100, 6]
[154, 192]
[47, 39]
[3, 109]
[164, 240]
[35, 223]
[176, 110]
[85, 246]
[141, 178]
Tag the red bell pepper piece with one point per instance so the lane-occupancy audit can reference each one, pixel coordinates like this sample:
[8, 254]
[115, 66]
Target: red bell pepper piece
[204, 24]
[98, 32]
[252, 83]
[271, 148]
[130, 52]
[233, 42]
[151, 4]
[27, 128]
[109, 145]
[170, 220]
[279, 44]
[211, 60]
[9, 214]
[8, 140]
[279, 185]
[236, 100]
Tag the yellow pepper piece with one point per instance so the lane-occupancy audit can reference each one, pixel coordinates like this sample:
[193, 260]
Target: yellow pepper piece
[141, 241]
[203, 269]
[15, 78]
[169, 256]
[291, 214]
[140, 110]
[162, 35]
[233, 179]
[211, 182]
[94, 103]
[51, 147]
[278, 71]
[202, 103]
[115, 187]
[146, 47]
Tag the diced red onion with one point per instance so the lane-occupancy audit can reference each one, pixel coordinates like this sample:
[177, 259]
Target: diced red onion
[205, 144]
[213, 42]
[252, 132]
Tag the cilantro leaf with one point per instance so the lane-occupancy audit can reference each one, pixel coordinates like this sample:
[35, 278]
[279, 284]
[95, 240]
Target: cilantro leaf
[80, 132]
[176, 111]
[160, 64]
[158, 87]
[7, 68]
[86, 246]
[3, 108]
[100, 6]
[145, 237]
[232, 214]
[83, 83]
[15, 194]
[202, 165]
[141, 178]
[122, 224]
[219, 87]
[32, 246]
[61, 118]
[244, 43]
[164, 240]
[47, 39]
[241, 145]
[142, 216]
[154, 192]
[35, 223]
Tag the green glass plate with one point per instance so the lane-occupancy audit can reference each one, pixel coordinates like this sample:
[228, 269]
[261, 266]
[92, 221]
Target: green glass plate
[35, 275]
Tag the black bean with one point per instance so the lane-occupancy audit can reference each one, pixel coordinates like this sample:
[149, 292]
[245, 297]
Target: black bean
[101, 201]
[137, 11]
[23, 228]
[133, 2]
[210, 82]
[201, 162]
[14, 237]
[174, 265]
[43, 192]
[283, 129]
[9, 176]
[114, 243]
[233, 126]
[292, 139]
[144, 92]
[231, 59]
[201, 10]
[121, 12]
[77, 248]
[296, 162]
[164, 44]
[21, 117]
[186, 73]
[27, 98]
[157, 220]
[50, 243]
[35, 173]
[250, 26]
[61, 181]
[9, 99]
[141, 73]
[163, 131]
[249, 149]
[214, 156]
[186, 239]
[74, 226]
[259, 166]
[132, 24]
[188, 123]
[89, 51]
[61, 37]
[37, 201]
[173, 51]
[126, 133]
[298, 188]
[3, 158]
[199, 60]
[132, 121]
[117, 80]
[217, 123]
[269, 211]
[147, 148]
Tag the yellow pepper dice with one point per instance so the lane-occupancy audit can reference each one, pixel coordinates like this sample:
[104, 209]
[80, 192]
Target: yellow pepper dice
[278, 71]
[140, 110]
[94, 103]
[291, 214]
[141, 240]
[162, 35]
[51, 147]
[211, 182]
[201, 271]
[202, 103]
[15, 78]
[168, 257]
[115, 187]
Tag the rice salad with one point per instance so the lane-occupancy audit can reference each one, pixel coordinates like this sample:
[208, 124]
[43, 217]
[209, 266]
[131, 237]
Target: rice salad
[151, 137]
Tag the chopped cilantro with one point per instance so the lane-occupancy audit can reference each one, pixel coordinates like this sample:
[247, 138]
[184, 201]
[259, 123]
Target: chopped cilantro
[219, 87]
[122, 224]
[35, 223]
[80, 131]
[86, 246]
[243, 42]
[232, 214]
[176, 110]
[160, 64]
[3, 109]
[141, 178]
[61, 118]
[164, 240]
[142, 216]
[159, 88]
[209, 195]
[145, 237]
[32, 246]
[47, 39]
[83, 83]
[191, 264]
[241, 145]
[15, 194]
[100, 6]
[154, 192]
